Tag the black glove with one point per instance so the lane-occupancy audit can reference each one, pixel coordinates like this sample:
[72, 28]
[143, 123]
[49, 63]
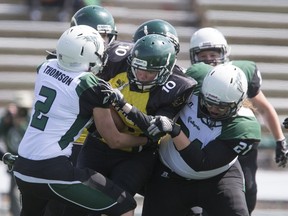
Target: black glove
[114, 96]
[9, 159]
[281, 153]
[141, 119]
[285, 123]
[162, 124]
[117, 99]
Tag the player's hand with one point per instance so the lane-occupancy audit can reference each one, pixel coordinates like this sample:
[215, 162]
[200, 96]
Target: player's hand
[117, 99]
[162, 124]
[281, 152]
[285, 123]
[9, 159]
[113, 95]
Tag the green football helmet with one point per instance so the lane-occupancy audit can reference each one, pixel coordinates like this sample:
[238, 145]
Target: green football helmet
[158, 26]
[152, 53]
[97, 17]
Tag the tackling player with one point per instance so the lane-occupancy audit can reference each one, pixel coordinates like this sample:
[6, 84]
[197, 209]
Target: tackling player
[198, 164]
[209, 46]
[67, 96]
[151, 86]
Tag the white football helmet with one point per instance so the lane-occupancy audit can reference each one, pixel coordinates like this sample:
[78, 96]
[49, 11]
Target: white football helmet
[224, 86]
[80, 48]
[209, 39]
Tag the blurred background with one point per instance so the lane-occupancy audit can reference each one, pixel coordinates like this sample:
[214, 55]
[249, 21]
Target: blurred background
[256, 30]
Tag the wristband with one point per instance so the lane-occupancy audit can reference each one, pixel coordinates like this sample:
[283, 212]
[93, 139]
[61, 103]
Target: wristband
[175, 131]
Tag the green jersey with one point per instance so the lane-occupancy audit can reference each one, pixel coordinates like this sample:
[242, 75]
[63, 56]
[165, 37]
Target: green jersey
[198, 72]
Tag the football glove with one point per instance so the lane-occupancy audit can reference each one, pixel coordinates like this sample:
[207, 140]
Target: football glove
[281, 153]
[162, 124]
[113, 95]
[9, 159]
[285, 123]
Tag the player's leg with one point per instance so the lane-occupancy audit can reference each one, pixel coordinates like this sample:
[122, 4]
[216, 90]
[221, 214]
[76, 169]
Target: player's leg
[82, 188]
[228, 195]
[134, 170]
[167, 194]
[249, 167]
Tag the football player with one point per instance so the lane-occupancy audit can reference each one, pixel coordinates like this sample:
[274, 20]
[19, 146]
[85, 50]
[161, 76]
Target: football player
[198, 165]
[208, 47]
[152, 85]
[68, 96]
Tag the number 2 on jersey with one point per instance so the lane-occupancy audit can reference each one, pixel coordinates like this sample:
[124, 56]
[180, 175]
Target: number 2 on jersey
[39, 120]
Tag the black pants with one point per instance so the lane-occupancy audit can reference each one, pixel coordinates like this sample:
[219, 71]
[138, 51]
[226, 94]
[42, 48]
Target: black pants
[129, 170]
[56, 179]
[169, 194]
[249, 167]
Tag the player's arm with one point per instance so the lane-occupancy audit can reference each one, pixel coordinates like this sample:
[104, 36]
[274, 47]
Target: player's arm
[215, 154]
[265, 110]
[270, 117]
[116, 99]
[117, 120]
[108, 130]
[93, 99]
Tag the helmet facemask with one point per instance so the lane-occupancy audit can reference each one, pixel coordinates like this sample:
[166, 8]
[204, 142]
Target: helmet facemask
[97, 67]
[209, 39]
[194, 52]
[107, 31]
[152, 53]
[163, 73]
[222, 94]
[229, 109]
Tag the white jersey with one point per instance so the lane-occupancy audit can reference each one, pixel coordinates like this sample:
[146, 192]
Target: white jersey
[63, 106]
[201, 133]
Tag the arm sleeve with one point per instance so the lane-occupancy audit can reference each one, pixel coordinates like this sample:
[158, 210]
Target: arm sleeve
[214, 155]
[140, 119]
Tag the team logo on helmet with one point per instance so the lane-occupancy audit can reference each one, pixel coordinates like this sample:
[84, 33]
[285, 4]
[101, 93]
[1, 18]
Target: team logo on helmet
[139, 63]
